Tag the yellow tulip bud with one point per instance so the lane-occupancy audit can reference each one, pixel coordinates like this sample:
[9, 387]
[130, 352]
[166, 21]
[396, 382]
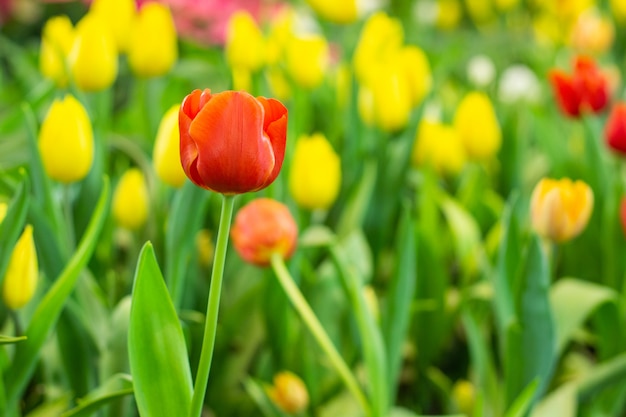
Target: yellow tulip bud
[307, 60]
[56, 42]
[66, 141]
[475, 120]
[93, 58]
[315, 175]
[118, 15]
[560, 209]
[244, 42]
[153, 47]
[166, 154]
[131, 200]
[439, 146]
[449, 13]
[281, 30]
[618, 10]
[417, 71]
[464, 396]
[342, 12]
[380, 37]
[22, 272]
[391, 98]
[289, 393]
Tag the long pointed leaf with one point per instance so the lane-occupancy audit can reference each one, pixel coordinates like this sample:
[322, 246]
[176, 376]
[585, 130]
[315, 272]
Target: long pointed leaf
[11, 227]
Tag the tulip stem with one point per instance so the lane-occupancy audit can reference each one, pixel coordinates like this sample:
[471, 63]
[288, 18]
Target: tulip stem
[210, 323]
[317, 330]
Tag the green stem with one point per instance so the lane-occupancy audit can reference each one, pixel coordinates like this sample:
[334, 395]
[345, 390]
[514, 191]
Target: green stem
[316, 329]
[210, 324]
[69, 218]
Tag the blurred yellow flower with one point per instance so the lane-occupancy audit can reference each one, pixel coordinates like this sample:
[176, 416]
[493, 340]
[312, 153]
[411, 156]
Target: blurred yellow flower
[381, 37]
[166, 153]
[205, 247]
[93, 58]
[417, 71]
[131, 200]
[278, 83]
[118, 15]
[449, 14]
[592, 33]
[560, 209]
[342, 12]
[476, 122]
[506, 5]
[20, 280]
[307, 59]
[289, 393]
[464, 396]
[618, 10]
[480, 11]
[439, 146]
[315, 175]
[56, 42]
[153, 47]
[244, 43]
[280, 32]
[66, 140]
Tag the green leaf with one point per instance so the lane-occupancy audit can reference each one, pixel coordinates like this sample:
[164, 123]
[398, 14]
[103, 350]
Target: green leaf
[561, 402]
[48, 311]
[258, 394]
[117, 386]
[13, 224]
[356, 207]
[524, 401]
[397, 314]
[7, 340]
[156, 345]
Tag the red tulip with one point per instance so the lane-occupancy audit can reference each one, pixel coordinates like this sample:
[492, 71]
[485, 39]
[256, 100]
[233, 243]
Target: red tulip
[263, 227]
[232, 142]
[586, 90]
[615, 128]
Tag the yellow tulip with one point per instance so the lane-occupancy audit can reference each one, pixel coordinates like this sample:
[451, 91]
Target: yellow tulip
[281, 31]
[131, 200]
[66, 141]
[56, 42]
[315, 175]
[307, 59]
[244, 43]
[118, 15]
[592, 33]
[439, 146]
[449, 13]
[166, 153]
[93, 58]
[618, 10]
[341, 12]
[475, 120]
[153, 47]
[289, 393]
[560, 209]
[464, 396]
[20, 280]
[417, 71]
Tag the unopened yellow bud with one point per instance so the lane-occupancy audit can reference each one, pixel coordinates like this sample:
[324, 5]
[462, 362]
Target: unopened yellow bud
[307, 59]
[289, 393]
[131, 200]
[464, 396]
[66, 141]
[417, 71]
[391, 96]
[56, 42]
[449, 13]
[118, 15]
[153, 48]
[20, 281]
[244, 42]
[93, 58]
[475, 120]
[560, 209]
[166, 154]
[315, 175]
[342, 12]
[439, 146]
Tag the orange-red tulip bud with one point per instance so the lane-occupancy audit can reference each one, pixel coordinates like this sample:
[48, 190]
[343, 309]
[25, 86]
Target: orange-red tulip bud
[232, 142]
[615, 128]
[263, 227]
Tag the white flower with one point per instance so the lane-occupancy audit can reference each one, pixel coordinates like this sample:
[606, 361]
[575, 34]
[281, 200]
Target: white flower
[481, 70]
[519, 83]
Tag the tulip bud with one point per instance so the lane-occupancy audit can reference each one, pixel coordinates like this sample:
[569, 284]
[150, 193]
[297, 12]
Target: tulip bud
[310, 186]
[386, 100]
[560, 209]
[231, 142]
[341, 12]
[263, 227]
[289, 393]
[592, 33]
[131, 200]
[476, 122]
[307, 60]
[66, 141]
[244, 42]
[166, 154]
[449, 14]
[20, 280]
[56, 42]
[464, 396]
[417, 72]
[118, 15]
[153, 47]
[439, 146]
[615, 128]
[93, 58]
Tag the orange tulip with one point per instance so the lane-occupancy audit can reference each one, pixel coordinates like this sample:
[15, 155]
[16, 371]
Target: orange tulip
[263, 227]
[232, 142]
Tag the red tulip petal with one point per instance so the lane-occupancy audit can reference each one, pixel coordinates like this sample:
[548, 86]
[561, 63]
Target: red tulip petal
[615, 128]
[566, 94]
[275, 126]
[234, 154]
